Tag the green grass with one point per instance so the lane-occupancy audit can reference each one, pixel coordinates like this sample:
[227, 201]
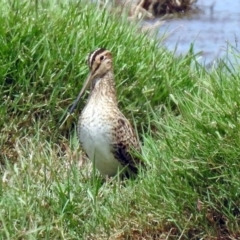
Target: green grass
[187, 118]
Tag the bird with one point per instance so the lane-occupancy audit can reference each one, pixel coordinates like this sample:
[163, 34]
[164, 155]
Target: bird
[105, 134]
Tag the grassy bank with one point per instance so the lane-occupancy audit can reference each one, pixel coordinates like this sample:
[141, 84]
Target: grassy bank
[187, 118]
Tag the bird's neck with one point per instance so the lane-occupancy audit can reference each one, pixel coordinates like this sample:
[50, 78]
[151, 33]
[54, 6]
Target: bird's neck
[103, 88]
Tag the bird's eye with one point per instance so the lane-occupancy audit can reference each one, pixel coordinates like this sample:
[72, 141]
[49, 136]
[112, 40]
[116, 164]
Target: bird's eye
[102, 57]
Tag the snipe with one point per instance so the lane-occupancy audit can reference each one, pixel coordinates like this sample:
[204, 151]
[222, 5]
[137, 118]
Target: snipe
[105, 134]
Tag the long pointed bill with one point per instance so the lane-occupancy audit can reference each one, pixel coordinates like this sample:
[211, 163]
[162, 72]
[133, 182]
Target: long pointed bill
[86, 84]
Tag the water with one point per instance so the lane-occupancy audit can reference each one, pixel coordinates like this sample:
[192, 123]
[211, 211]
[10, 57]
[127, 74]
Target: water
[210, 30]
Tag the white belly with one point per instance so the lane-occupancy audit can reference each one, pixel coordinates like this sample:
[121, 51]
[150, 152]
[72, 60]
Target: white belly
[95, 140]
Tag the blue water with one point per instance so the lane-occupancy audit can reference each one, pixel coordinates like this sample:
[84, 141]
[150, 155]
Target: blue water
[210, 30]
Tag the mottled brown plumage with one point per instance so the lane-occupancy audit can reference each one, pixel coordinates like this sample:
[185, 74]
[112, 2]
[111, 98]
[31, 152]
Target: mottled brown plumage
[104, 133]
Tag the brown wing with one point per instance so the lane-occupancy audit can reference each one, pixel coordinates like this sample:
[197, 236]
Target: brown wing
[125, 141]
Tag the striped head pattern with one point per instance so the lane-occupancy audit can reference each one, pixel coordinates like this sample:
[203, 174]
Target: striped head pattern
[99, 61]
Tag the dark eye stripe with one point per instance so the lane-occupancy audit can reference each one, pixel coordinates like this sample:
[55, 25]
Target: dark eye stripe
[92, 56]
